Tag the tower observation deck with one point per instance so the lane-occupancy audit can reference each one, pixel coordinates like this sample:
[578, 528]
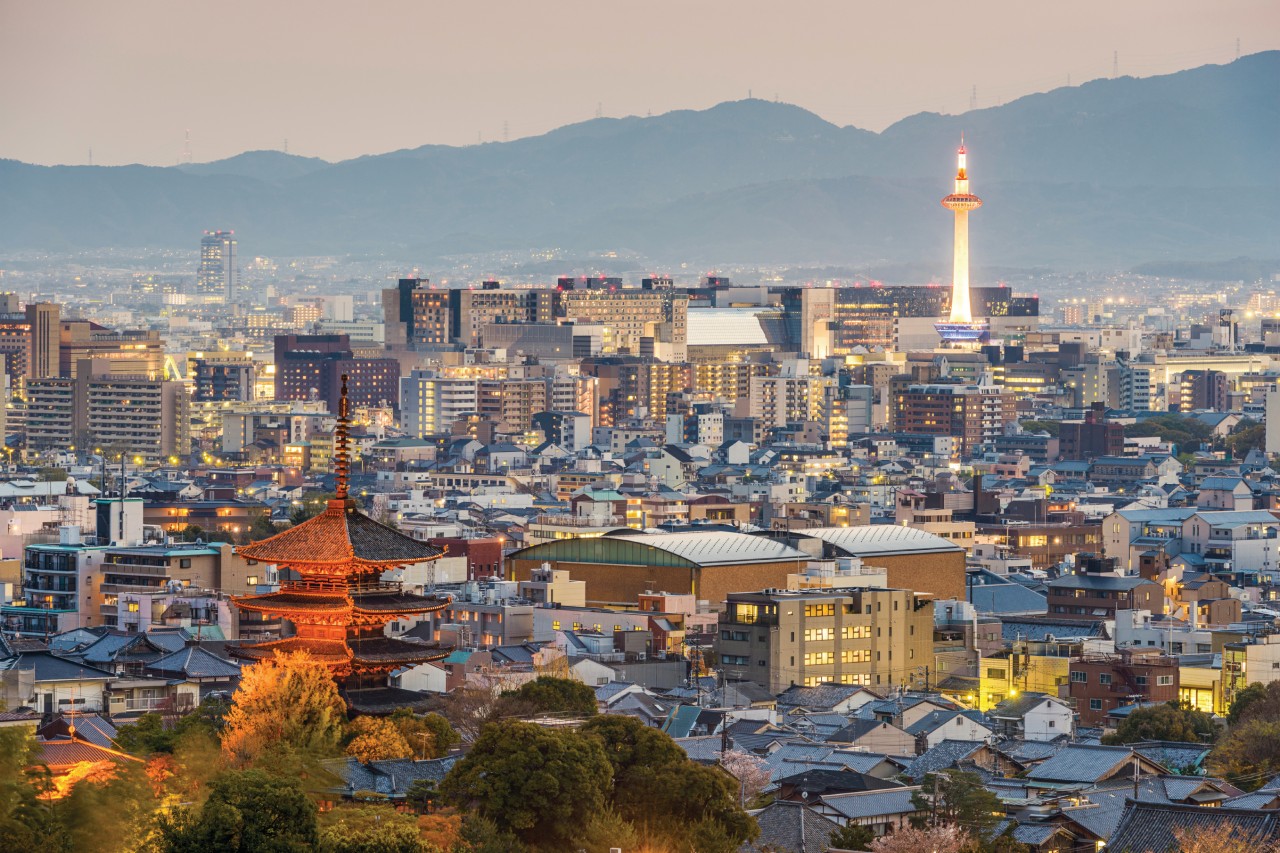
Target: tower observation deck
[960, 327]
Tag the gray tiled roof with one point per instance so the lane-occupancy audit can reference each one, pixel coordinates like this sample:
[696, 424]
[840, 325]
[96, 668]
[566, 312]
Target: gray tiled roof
[1153, 826]
[194, 662]
[783, 828]
[1080, 763]
[872, 804]
[942, 757]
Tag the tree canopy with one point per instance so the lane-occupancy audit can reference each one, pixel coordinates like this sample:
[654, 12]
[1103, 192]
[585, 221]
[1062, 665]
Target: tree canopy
[248, 811]
[288, 702]
[1170, 721]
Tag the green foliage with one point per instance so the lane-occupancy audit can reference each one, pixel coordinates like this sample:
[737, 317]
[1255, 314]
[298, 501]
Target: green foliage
[429, 736]
[1257, 701]
[1247, 436]
[313, 503]
[481, 835]
[151, 733]
[548, 695]
[422, 793]
[1249, 755]
[961, 799]
[852, 837]
[371, 830]
[1170, 721]
[1051, 427]
[52, 475]
[248, 811]
[262, 526]
[26, 824]
[540, 784]
[1187, 433]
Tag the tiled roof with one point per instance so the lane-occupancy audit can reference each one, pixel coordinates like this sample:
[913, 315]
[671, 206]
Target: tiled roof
[390, 778]
[783, 828]
[1152, 826]
[1080, 763]
[51, 667]
[64, 752]
[824, 697]
[337, 536]
[944, 756]
[195, 662]
[872, 803]
[1175, 756]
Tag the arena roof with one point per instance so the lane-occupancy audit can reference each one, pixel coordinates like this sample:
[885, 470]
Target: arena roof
[702, 548]
[873, 540]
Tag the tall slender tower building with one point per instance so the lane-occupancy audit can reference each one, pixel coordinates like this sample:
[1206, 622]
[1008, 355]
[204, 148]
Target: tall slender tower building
[960, 326]
[217, 278]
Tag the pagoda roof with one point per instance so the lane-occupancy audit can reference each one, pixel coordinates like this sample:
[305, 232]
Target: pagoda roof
[358, 601]
[375, 652]
[340, 535]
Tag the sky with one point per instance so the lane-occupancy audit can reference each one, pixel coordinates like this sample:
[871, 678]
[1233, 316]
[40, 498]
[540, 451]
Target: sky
[128, 80]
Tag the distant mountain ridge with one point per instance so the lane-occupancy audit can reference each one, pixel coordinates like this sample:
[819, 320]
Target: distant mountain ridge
[1113, 172]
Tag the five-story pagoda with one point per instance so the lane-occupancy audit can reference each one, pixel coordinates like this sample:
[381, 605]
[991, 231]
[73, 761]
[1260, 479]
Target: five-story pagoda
[335, 596]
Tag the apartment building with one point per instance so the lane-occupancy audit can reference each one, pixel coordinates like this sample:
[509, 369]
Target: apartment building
[974, 414]
[873, 637]
[1101, 683]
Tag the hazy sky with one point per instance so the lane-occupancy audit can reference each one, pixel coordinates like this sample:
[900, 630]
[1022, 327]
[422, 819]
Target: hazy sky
[128, 78]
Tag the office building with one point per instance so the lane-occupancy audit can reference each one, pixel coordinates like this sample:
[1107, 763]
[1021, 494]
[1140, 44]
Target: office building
[218, 276]
[783, 638]
[312, 366]
[29, 339]
[973, 414]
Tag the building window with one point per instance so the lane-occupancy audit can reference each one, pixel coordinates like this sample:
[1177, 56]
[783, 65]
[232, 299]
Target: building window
[855, 656]
[819, 658]
[1141, 680]
[1080, 677]
[252, 580]
[816, 635]
[1104, 678]
[555, 625]
[819, 610]
[1095, 704]
[1164, 680]
[184, 563]
[855, 632]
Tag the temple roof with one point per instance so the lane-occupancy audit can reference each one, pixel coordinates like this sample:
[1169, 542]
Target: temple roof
[373, 652]
[360, 601]
[340, 535]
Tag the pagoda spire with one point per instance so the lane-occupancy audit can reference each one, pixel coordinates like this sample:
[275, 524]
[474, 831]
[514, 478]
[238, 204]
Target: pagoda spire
[342, 445]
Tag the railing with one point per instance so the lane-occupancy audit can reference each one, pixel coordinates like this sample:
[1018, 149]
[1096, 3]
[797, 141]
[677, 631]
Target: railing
[581, 520]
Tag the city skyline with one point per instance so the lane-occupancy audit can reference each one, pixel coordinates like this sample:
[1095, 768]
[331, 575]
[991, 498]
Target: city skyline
[330, 86]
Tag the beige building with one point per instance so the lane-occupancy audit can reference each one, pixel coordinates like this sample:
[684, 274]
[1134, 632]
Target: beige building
[872, 637]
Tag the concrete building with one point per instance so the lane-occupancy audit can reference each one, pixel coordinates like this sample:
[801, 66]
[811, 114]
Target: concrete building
[218, 275]
[873, 637]
[974, 414]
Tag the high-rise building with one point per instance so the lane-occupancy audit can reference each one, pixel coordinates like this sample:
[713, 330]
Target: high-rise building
[218, 276]
[311, 366]
[973, 414]
[29, 338]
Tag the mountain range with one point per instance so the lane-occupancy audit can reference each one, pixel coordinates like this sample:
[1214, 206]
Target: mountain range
[1112, 173]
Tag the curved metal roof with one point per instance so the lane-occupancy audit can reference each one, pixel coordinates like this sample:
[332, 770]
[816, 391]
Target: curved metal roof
[701, 548]
[873, 540]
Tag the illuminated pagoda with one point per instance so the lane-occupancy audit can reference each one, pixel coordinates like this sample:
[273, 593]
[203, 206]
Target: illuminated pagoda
[335, 596]
[960, 328]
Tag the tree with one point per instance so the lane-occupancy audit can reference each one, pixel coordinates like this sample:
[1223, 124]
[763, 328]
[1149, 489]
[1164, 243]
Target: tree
[26, 824]
[430, 736]
[371, 830]
[1257, 701]
[548, 695]
[312, 504]
[376, 739]
[541, 785]
[262, 527]
[1051, 427]
[751, 771]
[1221, 839]
[248, 811]
[1248, 435]
[944, 838]
[955, 797]
[1170, 721]
[1249, 754]
[422, 793]
[288, 702]
[852, 837]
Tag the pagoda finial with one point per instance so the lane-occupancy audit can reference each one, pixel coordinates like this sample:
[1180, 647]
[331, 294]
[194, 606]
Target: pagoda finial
[341, 445]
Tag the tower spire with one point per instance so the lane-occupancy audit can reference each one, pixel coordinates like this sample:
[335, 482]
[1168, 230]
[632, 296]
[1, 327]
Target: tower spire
[342, 445]
[960, 325]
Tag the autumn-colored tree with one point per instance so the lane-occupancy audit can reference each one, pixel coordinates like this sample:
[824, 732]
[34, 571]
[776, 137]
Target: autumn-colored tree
[431, 736]
[1221, 839]
[1249, 755]
[288, 702]
[376, 739]
[944, 838]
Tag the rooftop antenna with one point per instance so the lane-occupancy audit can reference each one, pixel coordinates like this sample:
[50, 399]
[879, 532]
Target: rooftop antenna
[1115, 64]
[599, 109]
[286, 145]
[186, 149]
[90, 155]
[506, 132]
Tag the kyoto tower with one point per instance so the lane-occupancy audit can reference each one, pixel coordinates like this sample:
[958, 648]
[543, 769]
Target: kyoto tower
[960, 326]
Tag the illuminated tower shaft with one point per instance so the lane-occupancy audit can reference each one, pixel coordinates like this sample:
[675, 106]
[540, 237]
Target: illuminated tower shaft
[960, 203]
